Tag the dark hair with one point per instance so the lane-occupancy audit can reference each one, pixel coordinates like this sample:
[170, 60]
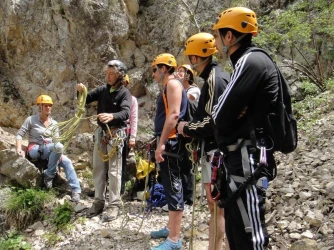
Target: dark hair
[203, 58]
[191, 78]
[244, 41]
[170, 69]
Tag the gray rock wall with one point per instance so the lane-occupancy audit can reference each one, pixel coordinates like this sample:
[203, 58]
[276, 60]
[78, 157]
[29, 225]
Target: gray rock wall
[46, 47]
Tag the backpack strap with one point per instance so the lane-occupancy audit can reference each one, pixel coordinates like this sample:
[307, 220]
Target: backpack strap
[279, 97]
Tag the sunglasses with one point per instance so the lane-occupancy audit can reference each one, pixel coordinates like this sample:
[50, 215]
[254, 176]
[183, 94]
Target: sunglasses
[155, 69]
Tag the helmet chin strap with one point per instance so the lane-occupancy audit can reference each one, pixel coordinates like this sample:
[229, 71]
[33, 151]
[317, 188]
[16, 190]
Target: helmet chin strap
[225, 49]
[193, 66]
[115, 83]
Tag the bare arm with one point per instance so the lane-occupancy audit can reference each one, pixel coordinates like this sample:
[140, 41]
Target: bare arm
[174, 98]
[19, 150]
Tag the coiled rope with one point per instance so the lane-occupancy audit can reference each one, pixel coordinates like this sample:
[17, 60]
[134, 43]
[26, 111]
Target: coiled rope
[63, 131]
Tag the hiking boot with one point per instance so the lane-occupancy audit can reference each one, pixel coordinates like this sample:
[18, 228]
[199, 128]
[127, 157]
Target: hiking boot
[48, 181]
[168, 245]
[91, 193]
[162, 233]
[95, 209]
[75, 197]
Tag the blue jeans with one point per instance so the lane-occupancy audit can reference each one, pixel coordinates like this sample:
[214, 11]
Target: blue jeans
[53, 152]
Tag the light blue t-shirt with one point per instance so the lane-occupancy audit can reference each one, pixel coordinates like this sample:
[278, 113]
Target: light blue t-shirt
[35, 128]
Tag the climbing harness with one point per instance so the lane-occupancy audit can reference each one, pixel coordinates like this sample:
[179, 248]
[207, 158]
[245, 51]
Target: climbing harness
[215, 165]
[117, 137]
[249, 179]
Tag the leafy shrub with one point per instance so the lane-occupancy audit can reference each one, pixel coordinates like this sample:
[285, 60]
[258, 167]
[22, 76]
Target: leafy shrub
[14, 241]
[330, 84]
[309, 88]
[25, 206]
[63, 214]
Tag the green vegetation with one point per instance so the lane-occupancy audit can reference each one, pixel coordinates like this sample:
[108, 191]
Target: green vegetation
[14, 241]
[303, 30]
[315, 105]
[88, 176]
[63, 214]
[52, 238]
[25, 206]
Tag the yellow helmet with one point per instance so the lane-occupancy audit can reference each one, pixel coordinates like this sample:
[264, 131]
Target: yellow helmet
[127, 80]
[167, 59]
[200, 44]
[44, 99]
[187, 67]
[240, 19]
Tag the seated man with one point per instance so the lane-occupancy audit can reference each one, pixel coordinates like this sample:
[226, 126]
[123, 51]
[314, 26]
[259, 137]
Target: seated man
[41, 146]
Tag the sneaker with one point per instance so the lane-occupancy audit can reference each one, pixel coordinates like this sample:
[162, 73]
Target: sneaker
[162, 233]
[75, 197]
[95, 209]
[48, 181]
[168, 245]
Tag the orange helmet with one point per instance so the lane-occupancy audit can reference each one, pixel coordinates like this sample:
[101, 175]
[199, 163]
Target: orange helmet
[240, 19]
[44, 99]
[200, 44]
[167, 59]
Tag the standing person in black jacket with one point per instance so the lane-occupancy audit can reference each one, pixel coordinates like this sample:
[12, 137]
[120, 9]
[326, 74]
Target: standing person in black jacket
[199, 49]
[253, 88]
[113, 110]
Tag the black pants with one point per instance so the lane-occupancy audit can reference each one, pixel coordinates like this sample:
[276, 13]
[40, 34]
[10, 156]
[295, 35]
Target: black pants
[253, 199]
[187, 179]
[170, 173]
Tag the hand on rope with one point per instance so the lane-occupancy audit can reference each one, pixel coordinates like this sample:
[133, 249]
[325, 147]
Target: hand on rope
[192, 148]
[64, 131]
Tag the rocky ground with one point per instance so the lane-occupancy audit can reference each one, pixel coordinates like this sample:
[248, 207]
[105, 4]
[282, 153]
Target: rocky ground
[300, 202]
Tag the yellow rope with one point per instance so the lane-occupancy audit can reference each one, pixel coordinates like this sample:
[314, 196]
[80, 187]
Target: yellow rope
[67, 128]
[190, 146]
[116, 141]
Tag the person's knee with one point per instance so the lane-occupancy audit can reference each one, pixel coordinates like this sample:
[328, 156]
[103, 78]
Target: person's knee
[66, 163]
[58, 148]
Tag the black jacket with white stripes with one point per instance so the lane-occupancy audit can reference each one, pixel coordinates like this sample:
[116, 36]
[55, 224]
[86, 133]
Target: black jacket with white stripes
[253, 85]
[201, 127]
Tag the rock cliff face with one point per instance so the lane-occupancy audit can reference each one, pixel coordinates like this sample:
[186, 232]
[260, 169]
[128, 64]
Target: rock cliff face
[49, 46]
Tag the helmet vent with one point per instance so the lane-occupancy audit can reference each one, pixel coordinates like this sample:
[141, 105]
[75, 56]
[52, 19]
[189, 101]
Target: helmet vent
[204, 50]
[244, 24]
